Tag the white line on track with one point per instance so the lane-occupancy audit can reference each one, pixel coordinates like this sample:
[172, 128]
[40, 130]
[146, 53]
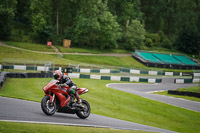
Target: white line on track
[67, 124]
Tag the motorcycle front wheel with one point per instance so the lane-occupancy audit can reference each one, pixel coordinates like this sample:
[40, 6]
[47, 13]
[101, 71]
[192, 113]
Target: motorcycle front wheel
[83, 114]
[47, 107]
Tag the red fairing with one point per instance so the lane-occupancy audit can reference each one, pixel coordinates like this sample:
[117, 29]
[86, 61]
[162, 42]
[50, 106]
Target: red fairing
[82, 90]
[61, 93]
[50, 85]
[62, 98]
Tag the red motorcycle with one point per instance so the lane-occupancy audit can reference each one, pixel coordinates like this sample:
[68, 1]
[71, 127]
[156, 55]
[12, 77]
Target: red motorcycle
[58, 99]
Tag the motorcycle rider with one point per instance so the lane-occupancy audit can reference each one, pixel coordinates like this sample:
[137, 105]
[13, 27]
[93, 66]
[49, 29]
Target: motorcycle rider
[65, 80]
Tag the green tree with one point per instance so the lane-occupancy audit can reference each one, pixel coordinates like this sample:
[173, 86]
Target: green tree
[188, 41]
[95, 26]
[7, 13]
[41, 11]
[153, 14]
[23, 11]
[187, 25]
[134, 35]
[125, 10]
[188, 14]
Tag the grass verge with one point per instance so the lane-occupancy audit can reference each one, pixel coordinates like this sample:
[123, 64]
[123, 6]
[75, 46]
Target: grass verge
[31, 46]
[114, 103]
[191, 89]
[13, 127]
[11, 53]
[92, 51]
[125, 61]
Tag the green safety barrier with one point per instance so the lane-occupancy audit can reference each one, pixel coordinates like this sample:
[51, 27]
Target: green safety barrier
[84, 76]
[187, 80]
[125, 70]
[105, 77]
[143, 80]
[158, 80]
[31, 68]
[114, 71]
[95, 71]
[8, 67]
[143, 72]
[125, 79]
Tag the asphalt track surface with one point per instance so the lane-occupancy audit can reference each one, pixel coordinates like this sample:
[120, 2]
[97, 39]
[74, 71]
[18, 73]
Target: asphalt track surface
[146, 90]
[15, 110]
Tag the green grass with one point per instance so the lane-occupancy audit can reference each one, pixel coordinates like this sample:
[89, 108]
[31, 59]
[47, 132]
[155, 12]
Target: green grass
[93, 51]
[11, 53]
[13, 127]
[179, 96]
[45, 48]
[114, 103]
[31, 46]
[84, 60]
[112, 61]
[124, 61]
[190, 89]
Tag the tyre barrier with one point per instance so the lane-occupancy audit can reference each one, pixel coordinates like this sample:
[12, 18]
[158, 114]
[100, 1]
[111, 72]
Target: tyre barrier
[3, 78]
[5, 75]
[184, 93]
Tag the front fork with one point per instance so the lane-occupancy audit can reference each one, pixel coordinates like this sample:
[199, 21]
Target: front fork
[52, 101]
[52, 98]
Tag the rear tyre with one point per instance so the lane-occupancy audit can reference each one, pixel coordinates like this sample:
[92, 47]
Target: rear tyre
[83, 114]
[47, 107]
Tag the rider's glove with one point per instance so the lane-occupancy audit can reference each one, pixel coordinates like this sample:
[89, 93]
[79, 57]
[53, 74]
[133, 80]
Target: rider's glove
[63, 85]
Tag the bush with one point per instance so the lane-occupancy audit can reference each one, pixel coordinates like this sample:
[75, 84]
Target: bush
[56, 39]
[164, 41]
[152, 39]
[148, 42]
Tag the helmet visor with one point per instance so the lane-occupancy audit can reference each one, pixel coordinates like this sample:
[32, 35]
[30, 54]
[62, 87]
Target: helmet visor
[56, 76]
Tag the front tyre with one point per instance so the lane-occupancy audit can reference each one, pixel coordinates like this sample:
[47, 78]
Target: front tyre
[83, 114]
[47, 107]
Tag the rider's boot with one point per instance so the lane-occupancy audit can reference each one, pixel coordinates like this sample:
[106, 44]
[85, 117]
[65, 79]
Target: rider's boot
[78, 102]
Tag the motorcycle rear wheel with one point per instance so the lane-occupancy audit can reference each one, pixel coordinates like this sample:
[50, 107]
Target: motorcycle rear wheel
[83, 114]
[47, 107]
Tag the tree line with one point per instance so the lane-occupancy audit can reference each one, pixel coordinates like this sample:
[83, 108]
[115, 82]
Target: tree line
[105, 24]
